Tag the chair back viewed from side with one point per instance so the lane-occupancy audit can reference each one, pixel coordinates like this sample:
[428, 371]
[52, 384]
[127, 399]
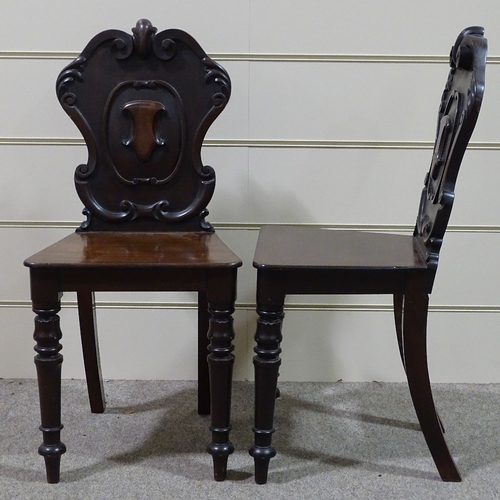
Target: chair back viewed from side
[143, 103]
[309, 260]
[457, 116]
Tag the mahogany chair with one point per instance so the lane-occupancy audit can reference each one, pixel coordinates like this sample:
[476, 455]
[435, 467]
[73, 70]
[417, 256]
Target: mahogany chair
[143, 103]
[305, 260]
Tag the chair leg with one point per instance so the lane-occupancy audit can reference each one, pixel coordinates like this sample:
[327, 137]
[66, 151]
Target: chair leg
[267, 363]
[398, 320]
[203, 343]
[415, 359]
[90, 347]
[220, 361]
[48, 363]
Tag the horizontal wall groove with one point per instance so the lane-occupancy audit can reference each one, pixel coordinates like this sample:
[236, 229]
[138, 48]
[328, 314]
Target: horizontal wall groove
[262, 143]
[268, 57]
[242, 306]
[255, 226]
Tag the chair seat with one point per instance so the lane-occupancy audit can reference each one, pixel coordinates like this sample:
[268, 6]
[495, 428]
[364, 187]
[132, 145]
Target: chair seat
[138, 249]
[295, 247]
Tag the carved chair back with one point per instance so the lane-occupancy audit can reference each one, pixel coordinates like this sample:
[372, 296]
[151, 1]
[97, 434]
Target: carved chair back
[143, 103]
[458, 112]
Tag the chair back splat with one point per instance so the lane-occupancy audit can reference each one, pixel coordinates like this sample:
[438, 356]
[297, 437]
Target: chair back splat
[458, 112]
[143, 103]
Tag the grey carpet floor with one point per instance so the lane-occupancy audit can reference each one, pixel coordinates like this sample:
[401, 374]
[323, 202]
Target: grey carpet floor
[334, 441]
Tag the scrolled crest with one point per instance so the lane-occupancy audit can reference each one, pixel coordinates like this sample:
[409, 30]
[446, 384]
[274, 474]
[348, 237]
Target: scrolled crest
[461, 55]
[143, 32]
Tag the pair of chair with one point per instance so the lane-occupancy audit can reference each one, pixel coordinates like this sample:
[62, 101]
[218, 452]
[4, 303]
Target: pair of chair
[143, 103]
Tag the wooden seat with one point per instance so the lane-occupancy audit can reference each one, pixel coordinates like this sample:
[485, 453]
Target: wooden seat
[143, 103]
[308, 260]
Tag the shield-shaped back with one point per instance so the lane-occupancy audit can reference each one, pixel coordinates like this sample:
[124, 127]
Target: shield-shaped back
[143, 103]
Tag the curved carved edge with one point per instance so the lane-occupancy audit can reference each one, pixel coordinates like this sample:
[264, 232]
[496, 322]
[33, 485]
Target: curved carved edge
[457, 118]
[68, 100]
[130, 211]
[214, 73]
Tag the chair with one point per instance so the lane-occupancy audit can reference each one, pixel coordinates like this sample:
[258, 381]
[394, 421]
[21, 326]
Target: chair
[306, 260]
[143, 103]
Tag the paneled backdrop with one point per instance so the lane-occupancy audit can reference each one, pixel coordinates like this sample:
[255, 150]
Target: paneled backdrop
[331, 123]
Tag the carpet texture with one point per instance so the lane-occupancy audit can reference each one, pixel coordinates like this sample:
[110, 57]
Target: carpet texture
[334, 441]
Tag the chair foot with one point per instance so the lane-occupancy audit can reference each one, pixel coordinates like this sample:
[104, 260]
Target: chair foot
[262, 457]
[220, 454]
[53, 468]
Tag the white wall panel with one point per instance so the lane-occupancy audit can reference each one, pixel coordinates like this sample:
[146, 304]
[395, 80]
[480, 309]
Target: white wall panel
[364, 27]
[67, 25]
[39, 169]
[334, 186]
[325, 101]
[17, 245]
[468, 272]
[33, 109]
[364, 186]
[352, 101]
[353, 346]
[231, 198]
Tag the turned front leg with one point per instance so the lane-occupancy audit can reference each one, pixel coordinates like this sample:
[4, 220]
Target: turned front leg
[48, 363]
[220, 362]
[266, 363]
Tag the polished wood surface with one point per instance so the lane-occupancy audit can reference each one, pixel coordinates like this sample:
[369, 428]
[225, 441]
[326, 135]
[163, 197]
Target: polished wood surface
[309, 247]
[117, 249]
[305, 260]
[143, 103]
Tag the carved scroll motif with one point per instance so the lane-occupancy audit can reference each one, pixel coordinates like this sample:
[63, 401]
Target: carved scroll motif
[133, 97]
